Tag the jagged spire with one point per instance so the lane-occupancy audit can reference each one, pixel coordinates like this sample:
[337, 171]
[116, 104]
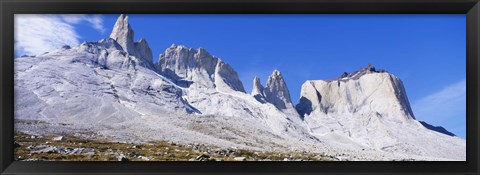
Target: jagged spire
[226, 78]
[258, 90]
[123, 33]
[257, 87]
[276, 91]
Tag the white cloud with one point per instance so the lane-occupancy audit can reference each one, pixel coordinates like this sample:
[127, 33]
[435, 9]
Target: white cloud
[445, 104]
[96, 21]
[36, 34]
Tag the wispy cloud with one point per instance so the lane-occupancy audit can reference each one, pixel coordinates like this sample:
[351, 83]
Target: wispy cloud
[443, 105]
[36, 34]
[96, 21]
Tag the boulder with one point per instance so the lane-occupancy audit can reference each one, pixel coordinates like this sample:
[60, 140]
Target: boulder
[240, 158]
[59, 138]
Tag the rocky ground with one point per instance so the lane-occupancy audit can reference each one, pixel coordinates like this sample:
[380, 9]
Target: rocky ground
[29, 147]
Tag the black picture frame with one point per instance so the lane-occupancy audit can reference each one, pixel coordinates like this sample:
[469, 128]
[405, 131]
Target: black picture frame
[10, 7]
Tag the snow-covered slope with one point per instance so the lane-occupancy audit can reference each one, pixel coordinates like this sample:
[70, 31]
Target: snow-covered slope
[370, 108]
[113, 88]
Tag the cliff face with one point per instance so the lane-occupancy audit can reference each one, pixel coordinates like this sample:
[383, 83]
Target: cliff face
[378, 92]
[368, 108]
[356, 107]
[186, 65]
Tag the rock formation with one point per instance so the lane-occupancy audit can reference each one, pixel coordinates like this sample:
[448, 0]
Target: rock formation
[111, 87]
[276, 91]
[142, 50]
[369, 108]
[258, 90]
[186, 65]
[226, 78]
[123, 34]
[378, 91]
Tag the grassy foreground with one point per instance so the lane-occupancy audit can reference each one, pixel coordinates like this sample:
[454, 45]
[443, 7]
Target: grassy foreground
[69, 148]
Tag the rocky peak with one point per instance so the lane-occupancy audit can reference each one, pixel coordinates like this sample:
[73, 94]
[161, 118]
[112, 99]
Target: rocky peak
[257, 87]
[197, 66]
[381, 93]
[179, 62]
[226, 79]
[258, 90]
[123, 33]
[276, 91]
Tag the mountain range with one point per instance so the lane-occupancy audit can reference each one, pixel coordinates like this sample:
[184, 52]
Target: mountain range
[114, 88]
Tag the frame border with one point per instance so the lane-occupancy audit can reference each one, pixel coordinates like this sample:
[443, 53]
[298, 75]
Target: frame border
[10, 7]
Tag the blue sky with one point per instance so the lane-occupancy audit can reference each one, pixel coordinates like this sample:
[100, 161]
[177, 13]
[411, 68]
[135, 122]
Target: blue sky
[427, 52]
